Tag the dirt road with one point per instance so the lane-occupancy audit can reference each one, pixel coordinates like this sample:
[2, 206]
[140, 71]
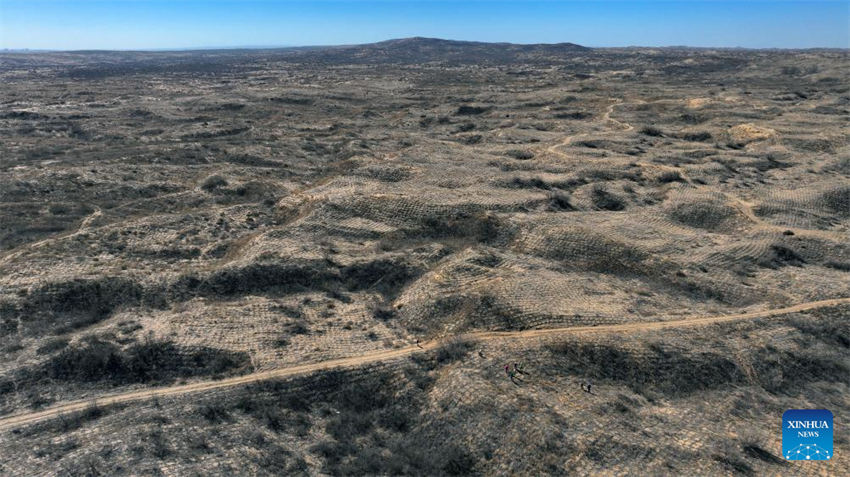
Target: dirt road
[606, 119]
[18, 420]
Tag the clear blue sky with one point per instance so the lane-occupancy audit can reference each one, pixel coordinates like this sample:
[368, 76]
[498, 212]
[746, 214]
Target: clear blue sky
[152, 24]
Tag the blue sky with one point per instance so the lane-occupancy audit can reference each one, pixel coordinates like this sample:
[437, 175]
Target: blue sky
[155, 24]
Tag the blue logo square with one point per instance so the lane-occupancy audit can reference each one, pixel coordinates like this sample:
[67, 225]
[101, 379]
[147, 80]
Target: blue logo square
[807, 434]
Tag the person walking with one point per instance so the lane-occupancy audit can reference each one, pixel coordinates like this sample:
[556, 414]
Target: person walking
[512, 375]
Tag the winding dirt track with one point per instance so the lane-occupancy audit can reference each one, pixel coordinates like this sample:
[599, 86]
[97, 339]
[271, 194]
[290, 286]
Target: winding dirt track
[18, 420]
[606, 118]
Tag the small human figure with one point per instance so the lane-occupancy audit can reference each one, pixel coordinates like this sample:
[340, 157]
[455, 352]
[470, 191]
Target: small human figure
[418, 344]
[518, 368]
[585, 386]
[512, 375]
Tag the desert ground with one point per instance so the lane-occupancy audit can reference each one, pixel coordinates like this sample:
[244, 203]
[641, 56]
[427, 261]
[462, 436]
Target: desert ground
[319, 261]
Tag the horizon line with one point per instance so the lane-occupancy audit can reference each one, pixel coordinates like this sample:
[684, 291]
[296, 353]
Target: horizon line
[284, 46]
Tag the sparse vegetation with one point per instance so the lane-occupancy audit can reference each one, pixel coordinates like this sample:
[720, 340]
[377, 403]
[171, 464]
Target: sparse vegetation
[560, 202]
[383, 312]
[149, 361]
[670, 176]
[213, 182]
[838, 199]
[607, 200]
[52, 345]
[453, 350]
[471, 110]
[701, 136]
[173, 221]
[651, 131]
[706, 214]
[520, 154]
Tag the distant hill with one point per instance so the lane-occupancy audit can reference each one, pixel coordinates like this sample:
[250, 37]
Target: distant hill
[417, 50]
[431, 50]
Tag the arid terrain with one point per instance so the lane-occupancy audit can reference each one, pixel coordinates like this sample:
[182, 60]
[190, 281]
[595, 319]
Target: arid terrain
[320, 260]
